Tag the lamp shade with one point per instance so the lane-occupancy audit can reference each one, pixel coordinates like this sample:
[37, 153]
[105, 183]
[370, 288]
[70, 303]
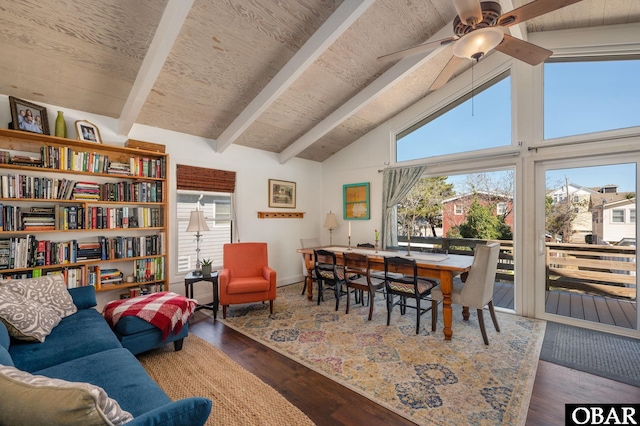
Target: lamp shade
[197, 222]
[330, 221]
[478, 43]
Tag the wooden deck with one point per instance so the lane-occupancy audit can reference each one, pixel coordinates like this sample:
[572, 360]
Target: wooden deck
[606, 310]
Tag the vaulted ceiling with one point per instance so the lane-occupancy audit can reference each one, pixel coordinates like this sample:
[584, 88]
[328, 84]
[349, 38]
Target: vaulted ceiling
[295, 77]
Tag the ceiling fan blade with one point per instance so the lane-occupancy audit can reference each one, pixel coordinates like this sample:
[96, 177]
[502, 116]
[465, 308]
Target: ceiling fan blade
[424, 47]
[446, 73]
[532, 10]
[523, 50]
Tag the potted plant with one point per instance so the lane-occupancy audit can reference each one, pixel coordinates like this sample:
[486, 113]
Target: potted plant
[206, 267]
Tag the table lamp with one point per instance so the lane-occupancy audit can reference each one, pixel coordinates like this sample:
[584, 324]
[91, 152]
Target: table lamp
[197, 223]
[331, 224]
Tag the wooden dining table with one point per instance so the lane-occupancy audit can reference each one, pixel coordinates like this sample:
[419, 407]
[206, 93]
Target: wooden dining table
[440, 266]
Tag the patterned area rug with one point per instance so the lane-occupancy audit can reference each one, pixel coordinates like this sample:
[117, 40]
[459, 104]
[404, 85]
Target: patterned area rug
[421, 377]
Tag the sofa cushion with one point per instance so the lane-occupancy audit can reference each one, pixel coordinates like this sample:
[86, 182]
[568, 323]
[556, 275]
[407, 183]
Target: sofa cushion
[50, 291]
[24, 318]
[29, 399]
[119, 373]
[77, 335]
[83, 297]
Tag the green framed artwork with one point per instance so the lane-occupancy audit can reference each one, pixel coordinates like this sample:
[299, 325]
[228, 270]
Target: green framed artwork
[356, 201]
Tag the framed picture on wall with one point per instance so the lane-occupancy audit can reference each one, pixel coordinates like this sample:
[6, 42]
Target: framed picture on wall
[282, 194]
[356, 201]
[28, 117]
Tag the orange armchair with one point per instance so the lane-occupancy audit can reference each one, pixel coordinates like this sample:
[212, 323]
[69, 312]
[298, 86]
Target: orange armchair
[245, 276]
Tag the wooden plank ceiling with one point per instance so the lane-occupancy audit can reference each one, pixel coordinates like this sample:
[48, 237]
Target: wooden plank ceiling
[296, 77]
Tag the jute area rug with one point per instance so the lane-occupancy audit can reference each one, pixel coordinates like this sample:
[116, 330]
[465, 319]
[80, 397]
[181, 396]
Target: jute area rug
[239, 397]
[420, 377]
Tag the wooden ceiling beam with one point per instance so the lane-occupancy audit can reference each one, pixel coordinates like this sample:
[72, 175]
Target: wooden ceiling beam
[334, 27]
[173, 18]
[369, 93]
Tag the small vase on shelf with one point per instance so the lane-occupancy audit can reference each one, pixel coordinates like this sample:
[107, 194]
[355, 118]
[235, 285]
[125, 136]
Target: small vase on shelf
[61, 126]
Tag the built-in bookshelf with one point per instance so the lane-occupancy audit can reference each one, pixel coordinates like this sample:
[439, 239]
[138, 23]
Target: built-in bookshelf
[95, 213]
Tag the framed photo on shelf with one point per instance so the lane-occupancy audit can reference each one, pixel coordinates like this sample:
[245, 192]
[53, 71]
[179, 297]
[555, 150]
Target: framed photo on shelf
[356, 201]
[88, 132]
[282, 194]
[28, 117]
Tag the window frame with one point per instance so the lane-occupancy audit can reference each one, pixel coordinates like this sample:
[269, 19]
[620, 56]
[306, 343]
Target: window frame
[213, 226]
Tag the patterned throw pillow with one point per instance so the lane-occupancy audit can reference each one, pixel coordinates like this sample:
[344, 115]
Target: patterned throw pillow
[50, 291]
[28, 399]
[24, 318]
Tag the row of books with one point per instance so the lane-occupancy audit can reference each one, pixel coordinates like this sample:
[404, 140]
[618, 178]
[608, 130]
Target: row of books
[124, 217]
[42, 188]
[142, 192]
[65, 158]
[23, 186]
[65, 217]
[28, 252]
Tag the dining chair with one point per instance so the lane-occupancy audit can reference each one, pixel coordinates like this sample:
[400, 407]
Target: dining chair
[401, 279]
[357, 275]
[477, 290]
[328, 274]
[308, 243]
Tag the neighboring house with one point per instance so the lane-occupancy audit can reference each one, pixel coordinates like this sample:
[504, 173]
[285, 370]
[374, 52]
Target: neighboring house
[454, 210]
[613, 216]
[580, 198]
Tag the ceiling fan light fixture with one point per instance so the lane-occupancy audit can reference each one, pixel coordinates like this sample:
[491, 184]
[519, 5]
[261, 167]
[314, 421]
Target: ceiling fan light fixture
[478, 43]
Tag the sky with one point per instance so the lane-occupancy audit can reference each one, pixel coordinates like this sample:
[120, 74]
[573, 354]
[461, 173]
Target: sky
[580, 98]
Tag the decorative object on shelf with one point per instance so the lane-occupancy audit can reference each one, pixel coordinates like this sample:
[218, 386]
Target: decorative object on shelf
[331, 224]
[88, 132]
[61, 125]
[349, 247]
[197, 224]
[206, 267]
[282, 194]
[356, 201]
[28, 117]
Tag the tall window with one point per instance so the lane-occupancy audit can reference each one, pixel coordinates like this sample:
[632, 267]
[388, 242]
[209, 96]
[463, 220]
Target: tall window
[478, 120]
[217, 212]
[589, 96]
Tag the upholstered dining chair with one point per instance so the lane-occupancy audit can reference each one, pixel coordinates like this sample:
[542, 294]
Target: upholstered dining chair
[308, 243]
[401, 279]
[357, 275]
[477, 290]
[246, 276]
[328, 274]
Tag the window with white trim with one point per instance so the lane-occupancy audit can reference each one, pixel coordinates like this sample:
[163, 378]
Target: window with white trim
[217, 212]
[458, 209]
[479, 120]
[617, 216]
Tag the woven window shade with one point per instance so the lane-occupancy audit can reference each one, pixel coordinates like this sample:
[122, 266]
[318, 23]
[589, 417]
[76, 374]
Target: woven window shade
[203, 179]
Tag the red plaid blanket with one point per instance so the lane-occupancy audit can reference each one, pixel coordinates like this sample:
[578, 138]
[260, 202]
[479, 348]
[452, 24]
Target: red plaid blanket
[166, 310]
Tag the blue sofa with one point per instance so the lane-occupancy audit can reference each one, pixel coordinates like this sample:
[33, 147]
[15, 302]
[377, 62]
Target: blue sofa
[83, 348]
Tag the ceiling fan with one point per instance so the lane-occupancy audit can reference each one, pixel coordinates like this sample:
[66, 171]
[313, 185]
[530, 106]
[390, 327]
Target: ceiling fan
[478, 29]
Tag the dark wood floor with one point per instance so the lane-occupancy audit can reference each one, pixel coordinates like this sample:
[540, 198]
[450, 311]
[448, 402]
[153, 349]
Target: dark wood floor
[328, 403]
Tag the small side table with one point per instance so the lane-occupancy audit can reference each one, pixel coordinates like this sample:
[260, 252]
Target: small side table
[190, 279]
